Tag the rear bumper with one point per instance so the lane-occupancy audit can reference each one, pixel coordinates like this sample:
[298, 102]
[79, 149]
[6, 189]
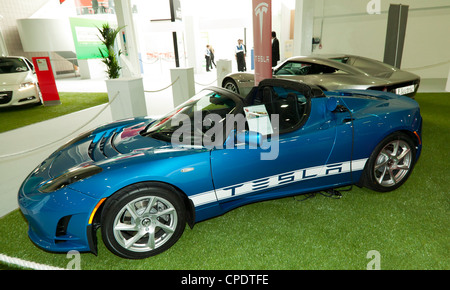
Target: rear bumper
[393, 87]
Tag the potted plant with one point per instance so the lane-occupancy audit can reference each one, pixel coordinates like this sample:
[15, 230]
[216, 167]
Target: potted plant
[126, 94]
[110, 58]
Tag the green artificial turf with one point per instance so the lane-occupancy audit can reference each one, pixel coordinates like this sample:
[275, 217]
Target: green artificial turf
[16, 117]
[409, 227]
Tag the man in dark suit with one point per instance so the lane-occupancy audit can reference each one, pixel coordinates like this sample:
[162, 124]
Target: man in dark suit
[275, 49]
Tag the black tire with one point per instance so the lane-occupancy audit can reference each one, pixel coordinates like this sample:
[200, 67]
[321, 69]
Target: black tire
[391, 163]
[132, 229]
[231, 85]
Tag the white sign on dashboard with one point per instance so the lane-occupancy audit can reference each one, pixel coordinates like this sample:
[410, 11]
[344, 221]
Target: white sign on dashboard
[258, 119]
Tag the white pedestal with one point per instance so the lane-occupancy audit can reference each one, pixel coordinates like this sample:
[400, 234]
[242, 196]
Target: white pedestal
[184, 88]
[223, 68]
[129, 98]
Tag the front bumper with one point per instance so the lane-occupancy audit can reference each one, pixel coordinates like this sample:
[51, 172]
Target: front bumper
[16, 96]
[58, 221]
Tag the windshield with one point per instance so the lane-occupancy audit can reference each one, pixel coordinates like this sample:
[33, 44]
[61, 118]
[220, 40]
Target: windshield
[12, 65]
[198, 119]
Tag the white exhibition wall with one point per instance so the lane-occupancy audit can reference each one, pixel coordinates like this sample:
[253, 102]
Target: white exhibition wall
[39, 34]
[346, 27]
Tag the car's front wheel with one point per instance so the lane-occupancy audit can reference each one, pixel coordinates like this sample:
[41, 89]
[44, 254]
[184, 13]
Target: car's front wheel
[391, 163]
[142, 220]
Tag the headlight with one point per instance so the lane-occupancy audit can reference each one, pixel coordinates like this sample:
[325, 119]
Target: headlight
[24, 86]
[73, 175]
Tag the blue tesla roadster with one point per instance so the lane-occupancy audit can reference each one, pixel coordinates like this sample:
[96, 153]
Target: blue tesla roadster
[141, 180]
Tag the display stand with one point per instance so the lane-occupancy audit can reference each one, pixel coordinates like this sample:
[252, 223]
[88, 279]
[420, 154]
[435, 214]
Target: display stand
[223, 68]
[126, 98]
[47, 84]
[183, 87]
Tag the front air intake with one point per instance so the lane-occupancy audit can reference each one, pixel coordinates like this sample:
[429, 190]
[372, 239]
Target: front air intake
[61, 227]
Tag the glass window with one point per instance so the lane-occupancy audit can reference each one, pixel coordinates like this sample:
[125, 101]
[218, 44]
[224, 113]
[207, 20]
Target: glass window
[293, 69]
[301, 69]
[200, 118]
[30, 64]
[12, 65]
[318, 69]
[290, 105]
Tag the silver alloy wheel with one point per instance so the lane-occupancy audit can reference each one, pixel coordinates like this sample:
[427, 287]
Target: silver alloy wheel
[230, 85]
[393, 163]
[145, 223]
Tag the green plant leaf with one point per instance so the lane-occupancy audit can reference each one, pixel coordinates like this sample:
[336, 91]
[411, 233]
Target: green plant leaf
[108, 38]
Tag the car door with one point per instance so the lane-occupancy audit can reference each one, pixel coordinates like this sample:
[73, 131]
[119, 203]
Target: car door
[301, 150]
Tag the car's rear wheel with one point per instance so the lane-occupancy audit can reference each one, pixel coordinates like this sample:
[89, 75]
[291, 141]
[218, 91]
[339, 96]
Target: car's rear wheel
[391, 163]
[142, 220]
[231, 85]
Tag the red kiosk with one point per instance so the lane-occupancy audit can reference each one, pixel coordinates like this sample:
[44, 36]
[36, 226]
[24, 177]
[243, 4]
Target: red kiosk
[46, 80]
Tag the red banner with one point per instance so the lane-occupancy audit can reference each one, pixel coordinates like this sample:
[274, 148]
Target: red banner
[262, 39]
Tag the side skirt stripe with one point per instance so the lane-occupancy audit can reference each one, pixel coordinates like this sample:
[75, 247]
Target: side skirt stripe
[276, 180]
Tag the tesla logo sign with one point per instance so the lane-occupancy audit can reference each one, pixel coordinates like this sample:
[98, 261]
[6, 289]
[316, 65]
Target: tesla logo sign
[259, 11]
[262, 39]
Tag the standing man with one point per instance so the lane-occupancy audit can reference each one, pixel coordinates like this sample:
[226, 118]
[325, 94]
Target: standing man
[275, 49]
[240, 53]
[95, 6]
[208, 57]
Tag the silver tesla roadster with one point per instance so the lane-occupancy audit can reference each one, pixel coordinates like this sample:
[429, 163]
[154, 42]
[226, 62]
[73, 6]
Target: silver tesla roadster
[334, 73]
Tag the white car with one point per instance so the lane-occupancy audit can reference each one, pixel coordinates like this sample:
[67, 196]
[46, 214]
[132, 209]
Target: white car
[18, 82]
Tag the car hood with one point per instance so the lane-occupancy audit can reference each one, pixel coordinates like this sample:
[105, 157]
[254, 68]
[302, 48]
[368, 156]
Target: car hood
[13, 78]
[112, 144]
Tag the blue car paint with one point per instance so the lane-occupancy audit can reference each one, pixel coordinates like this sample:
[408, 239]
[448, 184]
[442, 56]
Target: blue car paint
[379, 117]
[309, 147]
[324, 141]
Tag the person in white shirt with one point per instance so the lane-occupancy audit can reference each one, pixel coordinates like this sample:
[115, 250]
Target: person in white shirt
[240, 53]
